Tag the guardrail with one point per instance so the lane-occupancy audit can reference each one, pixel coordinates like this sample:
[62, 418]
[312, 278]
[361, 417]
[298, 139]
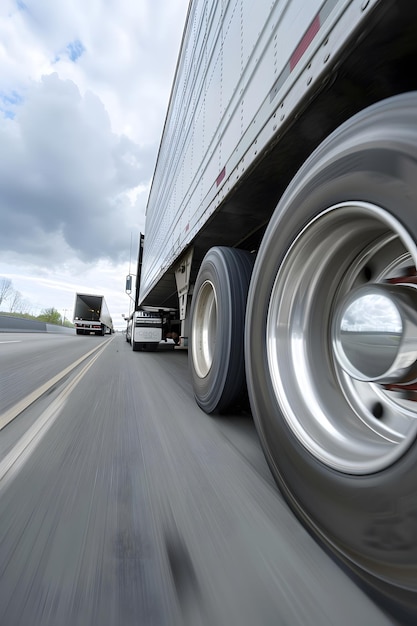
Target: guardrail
[10, 324]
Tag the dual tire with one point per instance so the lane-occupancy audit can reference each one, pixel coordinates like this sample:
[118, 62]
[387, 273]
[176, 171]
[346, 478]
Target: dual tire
[342, 451]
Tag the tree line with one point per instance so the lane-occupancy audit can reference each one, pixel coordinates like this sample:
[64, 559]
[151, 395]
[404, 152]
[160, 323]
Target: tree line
[12, 302]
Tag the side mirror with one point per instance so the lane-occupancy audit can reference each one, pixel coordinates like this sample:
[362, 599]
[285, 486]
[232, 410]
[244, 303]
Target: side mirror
[128, 284]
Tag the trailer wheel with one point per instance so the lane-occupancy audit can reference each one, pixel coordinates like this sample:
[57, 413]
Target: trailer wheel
[217, 328]
[331, 345]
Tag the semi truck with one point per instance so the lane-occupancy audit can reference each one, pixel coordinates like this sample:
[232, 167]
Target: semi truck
[149, 328]
[282, 224]
[91, 315]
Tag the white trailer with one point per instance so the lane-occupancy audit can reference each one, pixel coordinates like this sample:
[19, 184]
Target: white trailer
[91, 315]
[282, 223]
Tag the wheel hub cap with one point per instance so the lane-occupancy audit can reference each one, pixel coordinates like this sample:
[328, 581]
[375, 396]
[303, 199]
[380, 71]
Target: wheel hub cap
[342, 338]
[375, 333]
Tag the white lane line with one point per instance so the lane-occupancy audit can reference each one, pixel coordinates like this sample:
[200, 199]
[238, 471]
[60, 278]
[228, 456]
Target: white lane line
[20, 406]
[12, 341]
[19, 454]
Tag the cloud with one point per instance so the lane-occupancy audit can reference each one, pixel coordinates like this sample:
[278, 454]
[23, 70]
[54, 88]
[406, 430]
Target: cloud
[63, 171]
[126, 51]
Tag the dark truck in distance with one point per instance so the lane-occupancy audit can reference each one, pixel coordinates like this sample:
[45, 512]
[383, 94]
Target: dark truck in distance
[91, 315]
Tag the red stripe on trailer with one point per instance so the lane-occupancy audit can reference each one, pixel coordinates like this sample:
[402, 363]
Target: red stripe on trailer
[308, 37]
[187, 227]
[220, 176]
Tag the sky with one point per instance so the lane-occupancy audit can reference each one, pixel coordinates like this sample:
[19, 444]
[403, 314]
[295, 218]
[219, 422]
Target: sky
[84, 89]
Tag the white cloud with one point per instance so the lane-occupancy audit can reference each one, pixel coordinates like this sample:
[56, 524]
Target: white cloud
[62, 170]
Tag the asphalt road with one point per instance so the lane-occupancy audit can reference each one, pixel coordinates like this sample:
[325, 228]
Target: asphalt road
[122, 503]
[28, 360]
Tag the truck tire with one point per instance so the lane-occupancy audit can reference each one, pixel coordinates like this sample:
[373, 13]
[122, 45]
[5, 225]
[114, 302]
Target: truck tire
[339, 433]
[216, 350]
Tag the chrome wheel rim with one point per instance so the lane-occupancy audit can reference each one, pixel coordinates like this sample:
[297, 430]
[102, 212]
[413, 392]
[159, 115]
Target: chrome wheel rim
[353, 426]
[204, 329]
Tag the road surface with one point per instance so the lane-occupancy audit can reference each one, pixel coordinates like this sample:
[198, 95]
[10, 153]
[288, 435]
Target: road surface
[122, 503]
